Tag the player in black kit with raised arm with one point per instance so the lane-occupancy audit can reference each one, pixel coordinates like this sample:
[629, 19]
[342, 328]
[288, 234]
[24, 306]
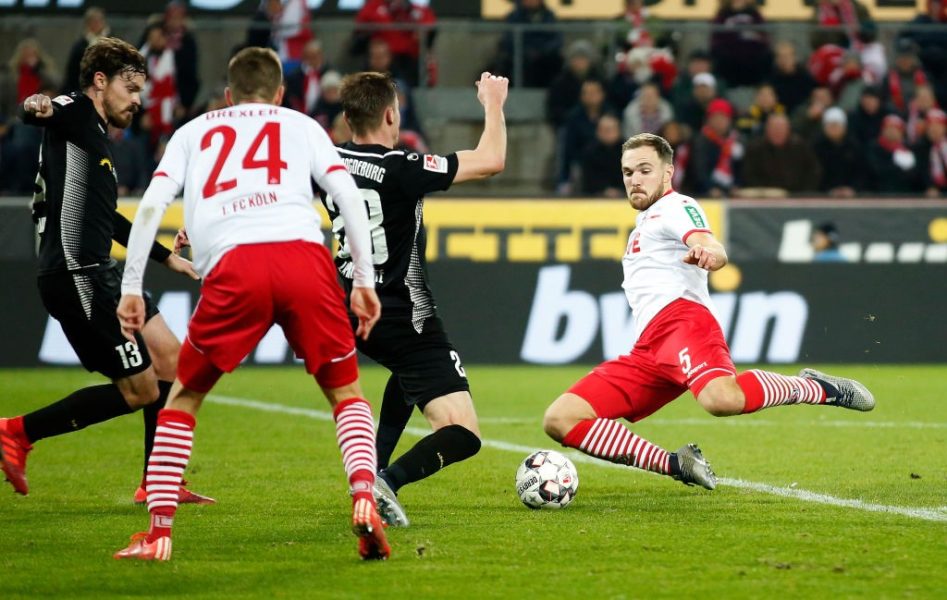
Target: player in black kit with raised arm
[409, 340]
[74, 209]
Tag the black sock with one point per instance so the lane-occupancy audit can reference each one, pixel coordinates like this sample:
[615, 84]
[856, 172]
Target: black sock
[150, 416]
[445, 446]
[76, 411]
[394, 417]
[674, 464]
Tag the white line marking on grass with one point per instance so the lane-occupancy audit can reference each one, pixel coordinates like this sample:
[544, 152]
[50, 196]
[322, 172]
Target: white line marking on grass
[751, 422]
[926, 514]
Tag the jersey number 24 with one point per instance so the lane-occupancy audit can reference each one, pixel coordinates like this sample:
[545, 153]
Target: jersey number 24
[273, 163]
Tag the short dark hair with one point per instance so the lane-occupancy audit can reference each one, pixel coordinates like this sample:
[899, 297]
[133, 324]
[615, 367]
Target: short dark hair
[660, 145]
[254, 73]
[112, 57]
[365, 97]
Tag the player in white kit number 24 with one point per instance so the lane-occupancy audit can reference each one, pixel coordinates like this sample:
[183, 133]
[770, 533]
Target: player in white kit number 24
[680, 345]
[245, 171]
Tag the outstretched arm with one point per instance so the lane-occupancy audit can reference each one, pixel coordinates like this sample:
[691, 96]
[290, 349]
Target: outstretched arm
[705, 251]
[489, 158]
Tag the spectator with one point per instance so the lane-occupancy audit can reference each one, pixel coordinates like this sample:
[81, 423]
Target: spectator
[650, 64]
[182, 42]
[95, 27]
[340, 132]
[698, 62]
[579, 130]
[20, 149]
[825, 242]
[807, 120]
[765, 103]
[676, 135]
[291, 31]
[893, 166]
[923, 102]
[932, 44]
[780, 159]
[379, 56]
[840, 157]
[160, 96]
[850, 15]
[848, 80]
[717, 152]
[931, 153]
[866, 119]
[132, 166]
[31, 68]
[635, 32]
[694, 112]
[403, 41]
[260, 31]
[412, 135]
[599, 176]
[648, 112]
[905, 77]
[303, 83]
[563, 93]
[790, 80]
[541, 49]
[739, 47]
[873, 54]
[329, 105]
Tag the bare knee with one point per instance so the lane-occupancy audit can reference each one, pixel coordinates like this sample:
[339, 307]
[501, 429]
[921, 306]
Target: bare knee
[722, 397]
[139, 390]
[163, 347]
[452, 409]
[564, 414]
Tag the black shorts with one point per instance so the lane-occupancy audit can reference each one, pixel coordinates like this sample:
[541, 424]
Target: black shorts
[84, 303]
[426, 363]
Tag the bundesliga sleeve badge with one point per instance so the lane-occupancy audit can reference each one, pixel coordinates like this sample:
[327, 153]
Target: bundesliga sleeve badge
[433, 162]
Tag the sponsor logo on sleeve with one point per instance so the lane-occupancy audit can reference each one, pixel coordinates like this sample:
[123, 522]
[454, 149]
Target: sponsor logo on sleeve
[695, 217]
[433, 162]
[63, 100]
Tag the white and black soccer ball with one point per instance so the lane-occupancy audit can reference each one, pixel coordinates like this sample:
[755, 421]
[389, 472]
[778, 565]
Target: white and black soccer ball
[546, 479]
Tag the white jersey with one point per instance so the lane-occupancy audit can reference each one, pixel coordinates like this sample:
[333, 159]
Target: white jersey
[248, 170]
[655, 274]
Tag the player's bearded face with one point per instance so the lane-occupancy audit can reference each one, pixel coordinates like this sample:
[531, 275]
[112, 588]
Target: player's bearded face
[122, 99]
[645, 176]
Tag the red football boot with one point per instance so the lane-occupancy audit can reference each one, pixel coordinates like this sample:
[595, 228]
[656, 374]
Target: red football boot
[185, 496]
[368, 526]
[13, 450]
[142, 549]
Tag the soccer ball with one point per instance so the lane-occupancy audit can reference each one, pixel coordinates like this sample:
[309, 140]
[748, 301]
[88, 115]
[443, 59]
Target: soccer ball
[546, 479]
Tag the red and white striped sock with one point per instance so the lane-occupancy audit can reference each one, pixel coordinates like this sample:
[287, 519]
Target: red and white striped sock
[174, 437]
[355, 431]
[612, 441]
[763, 389]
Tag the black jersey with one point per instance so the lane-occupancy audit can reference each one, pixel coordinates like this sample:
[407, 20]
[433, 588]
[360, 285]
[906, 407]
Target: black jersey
[393, 184]
[77, 193]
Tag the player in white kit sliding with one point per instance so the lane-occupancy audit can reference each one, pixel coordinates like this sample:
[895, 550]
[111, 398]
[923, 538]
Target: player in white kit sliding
[245, 171]
[680, 345]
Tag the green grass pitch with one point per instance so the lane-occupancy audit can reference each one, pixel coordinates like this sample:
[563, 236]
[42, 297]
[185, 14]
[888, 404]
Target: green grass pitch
[281, 526]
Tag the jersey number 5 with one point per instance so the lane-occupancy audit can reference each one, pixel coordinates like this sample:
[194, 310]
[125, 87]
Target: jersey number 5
[375, 218]
[273, 164]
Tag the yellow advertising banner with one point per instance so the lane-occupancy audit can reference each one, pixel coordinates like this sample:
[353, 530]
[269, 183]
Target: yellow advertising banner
[498, 230]
[686, 10]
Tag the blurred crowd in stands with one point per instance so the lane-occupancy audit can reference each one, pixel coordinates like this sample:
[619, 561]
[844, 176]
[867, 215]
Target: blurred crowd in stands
[747, 115]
